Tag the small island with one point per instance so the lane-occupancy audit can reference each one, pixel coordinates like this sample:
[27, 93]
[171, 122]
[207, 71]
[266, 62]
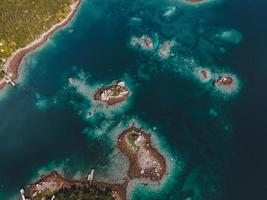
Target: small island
[112, 94]
[54, 186]
[145, 160]
[203, 74]
[224, 81]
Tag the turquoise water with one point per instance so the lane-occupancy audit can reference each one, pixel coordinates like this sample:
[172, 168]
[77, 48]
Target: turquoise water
[204, 132]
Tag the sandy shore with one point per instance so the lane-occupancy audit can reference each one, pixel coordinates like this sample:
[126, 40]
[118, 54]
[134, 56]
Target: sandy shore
[54, 182]
[13, 63]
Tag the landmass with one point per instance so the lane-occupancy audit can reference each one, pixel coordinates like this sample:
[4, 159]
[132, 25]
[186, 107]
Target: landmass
[27, 25]
[145, 160]
[222, 81]
[54, 186]
[204, 74]
[112, 94]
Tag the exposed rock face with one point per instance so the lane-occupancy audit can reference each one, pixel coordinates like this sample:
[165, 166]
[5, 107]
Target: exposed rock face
[50, 184]
[112, 94]
[203, 74]
[145, 160]
[224, 81]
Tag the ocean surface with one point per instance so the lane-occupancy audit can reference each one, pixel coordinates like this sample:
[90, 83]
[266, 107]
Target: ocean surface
[214, 140]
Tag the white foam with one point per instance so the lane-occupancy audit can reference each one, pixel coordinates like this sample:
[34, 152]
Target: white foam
[227, 92]
[175, 165]
[170, 11]
[100, 116]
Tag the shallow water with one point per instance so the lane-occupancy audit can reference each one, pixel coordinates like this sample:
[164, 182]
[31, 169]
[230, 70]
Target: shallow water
[212, 139]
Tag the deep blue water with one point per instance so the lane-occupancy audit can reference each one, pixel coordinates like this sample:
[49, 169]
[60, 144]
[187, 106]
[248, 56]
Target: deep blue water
[217, 141]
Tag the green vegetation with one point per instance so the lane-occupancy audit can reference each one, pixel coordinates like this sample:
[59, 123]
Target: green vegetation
[74, 193]
[2, 74]
[43, 195]
[23, 21]
[116, 91]
[132, 137]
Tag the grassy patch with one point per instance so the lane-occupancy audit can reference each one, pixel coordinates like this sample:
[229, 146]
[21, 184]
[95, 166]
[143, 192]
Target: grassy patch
[132, 137]
[44, 195]
[116, 91]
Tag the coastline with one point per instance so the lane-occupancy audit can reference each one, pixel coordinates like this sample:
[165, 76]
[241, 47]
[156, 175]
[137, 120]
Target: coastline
[54, 181]
[142, 157]
[12, 65]
[102, 94]
[145, 160]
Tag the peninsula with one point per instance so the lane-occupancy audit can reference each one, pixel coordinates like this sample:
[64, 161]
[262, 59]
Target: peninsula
[112, 94]
[26, 25]
[54, 186]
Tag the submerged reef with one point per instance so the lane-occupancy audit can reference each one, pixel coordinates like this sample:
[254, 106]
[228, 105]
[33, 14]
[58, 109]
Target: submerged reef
[165, 49]
[144, 42]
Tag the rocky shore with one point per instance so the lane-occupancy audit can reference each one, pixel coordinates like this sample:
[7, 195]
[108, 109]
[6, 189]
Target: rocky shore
[226, 81]
[222, 81]
[53, 184]
[145, 160]
[112, 94]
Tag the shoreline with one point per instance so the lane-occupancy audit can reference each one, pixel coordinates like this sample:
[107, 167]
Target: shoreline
[145, 160]
[55, 182]
[12, 66]
[147, 164]
[105, 94]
